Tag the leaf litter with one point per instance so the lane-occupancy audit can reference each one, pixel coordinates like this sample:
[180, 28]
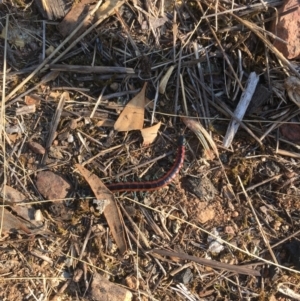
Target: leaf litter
[79, 112]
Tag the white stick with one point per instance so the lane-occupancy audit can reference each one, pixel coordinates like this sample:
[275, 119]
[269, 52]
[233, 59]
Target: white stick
[241, 108]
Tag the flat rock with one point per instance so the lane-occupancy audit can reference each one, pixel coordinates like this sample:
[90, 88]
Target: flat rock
[203, 188]
[288, 29]
[102, 289]
[52, 186]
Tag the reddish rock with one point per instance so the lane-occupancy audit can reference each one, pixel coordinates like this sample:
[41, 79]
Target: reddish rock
[36, 147]
[291, 132]
[52, 186]
[288, 29]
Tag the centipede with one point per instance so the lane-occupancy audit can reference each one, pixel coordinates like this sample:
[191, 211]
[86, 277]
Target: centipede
[155, 184]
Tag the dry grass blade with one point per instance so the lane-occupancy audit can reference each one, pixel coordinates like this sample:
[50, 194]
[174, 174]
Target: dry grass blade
[259, 224]
[91, 69]
[2, 131]
[56, 118]
[207, 262]
[292, 85]
[203, 136]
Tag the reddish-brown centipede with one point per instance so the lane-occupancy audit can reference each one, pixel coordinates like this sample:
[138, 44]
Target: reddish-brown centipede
[156, 184]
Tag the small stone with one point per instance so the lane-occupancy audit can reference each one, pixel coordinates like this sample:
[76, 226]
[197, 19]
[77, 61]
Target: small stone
[102, 289]
[52, 186]
[203, 188]
[38, 216]
[215, 247]
[36, 148]
[70, 138]
[185, 276]
[205, 212]
[73, 124]
[229, 230]
[277, 225]
[114, 86]
[12, 195]
[235, 214]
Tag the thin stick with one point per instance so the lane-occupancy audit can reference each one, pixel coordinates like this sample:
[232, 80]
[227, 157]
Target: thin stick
[177, 85]
[2, 122]
[56, 118]
[98, 102]
[258, 222]
[241, 108]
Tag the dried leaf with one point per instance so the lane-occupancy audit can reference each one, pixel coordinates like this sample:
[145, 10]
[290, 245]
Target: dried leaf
[132, 117]
[165, 80]
[149, 134]
[14, 137]
[292, 85]
[157, 22]
[111, 211]
[203, 136]
[105, 123]
[12, 195]
[26, 211]
[11, 223]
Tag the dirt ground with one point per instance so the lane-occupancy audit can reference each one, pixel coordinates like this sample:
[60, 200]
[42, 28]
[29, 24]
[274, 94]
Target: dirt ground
[132, 165]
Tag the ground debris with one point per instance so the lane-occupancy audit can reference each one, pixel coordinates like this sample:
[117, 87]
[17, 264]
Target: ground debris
[102, 289]
[225, 220]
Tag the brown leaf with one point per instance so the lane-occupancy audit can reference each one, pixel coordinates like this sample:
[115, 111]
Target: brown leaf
[14, 137]
[11, 223]
[132, 117]
[14, 198]
[165, 79]
[111, 211]
[149, 134]
[105, 123]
